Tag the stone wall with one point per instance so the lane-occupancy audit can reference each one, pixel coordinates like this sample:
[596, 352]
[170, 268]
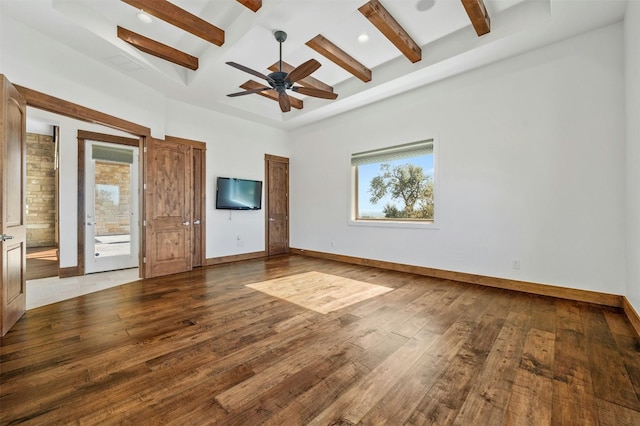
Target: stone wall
[41, 187]
[112, 209]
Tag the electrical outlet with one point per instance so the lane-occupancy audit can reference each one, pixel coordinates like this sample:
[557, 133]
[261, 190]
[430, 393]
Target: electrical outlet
[515, 264]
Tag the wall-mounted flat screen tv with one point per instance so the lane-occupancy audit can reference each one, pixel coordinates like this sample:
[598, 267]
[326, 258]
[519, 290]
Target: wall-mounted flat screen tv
[238, 194]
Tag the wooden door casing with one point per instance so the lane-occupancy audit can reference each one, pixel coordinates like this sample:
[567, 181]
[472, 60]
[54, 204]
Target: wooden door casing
[12, 219]
[168, 199]
[277, 204]
[198, 238]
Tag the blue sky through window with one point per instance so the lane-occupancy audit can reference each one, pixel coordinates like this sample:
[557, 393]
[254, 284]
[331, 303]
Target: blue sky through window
[366, 172]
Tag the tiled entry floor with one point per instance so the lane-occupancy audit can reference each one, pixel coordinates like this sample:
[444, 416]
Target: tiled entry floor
[45, 291]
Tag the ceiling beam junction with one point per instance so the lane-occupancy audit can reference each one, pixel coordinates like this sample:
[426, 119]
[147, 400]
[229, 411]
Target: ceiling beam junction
[375, 12]
[180, 18]
[341, 58]
[158, 49]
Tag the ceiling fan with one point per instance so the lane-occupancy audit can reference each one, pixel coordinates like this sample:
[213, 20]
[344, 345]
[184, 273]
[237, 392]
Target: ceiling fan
[281, 81]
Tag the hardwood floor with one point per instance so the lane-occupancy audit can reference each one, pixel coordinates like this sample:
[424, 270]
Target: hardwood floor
[42, 262]
[203, 348]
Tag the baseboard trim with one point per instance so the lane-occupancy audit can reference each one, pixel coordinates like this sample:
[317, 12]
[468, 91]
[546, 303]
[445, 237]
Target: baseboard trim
[632, 314]
[594, 297]
[71, 271]
[235, 258]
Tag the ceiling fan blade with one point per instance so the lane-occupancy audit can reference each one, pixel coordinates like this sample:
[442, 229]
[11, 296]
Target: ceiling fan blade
[317, 93]
[248, 92]
[303, 70]
[285, 103]
[250, 71]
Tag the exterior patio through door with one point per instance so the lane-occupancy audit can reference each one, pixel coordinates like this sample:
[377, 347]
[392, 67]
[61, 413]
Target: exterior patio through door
[111, 207]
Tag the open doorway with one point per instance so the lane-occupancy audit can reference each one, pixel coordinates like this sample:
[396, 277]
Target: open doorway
[64, 278]
[41, 201]
[111, 221]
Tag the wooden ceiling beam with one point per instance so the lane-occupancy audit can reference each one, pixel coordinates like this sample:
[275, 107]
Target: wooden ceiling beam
[254, 5]
[375, 12]
[180, 18]
[306, 82]
[341, 58]
[478, 15]
[270, 94]
[157, 49]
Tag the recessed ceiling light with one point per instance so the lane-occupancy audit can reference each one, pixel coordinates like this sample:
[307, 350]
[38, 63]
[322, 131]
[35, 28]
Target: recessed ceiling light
[144, 17]
[363, 38]
[424, 5]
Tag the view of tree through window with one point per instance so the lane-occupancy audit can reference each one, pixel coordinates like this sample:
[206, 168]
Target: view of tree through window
[395, 183]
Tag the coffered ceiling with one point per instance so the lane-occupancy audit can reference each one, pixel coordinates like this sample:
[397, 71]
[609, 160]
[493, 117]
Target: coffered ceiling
[183, 51]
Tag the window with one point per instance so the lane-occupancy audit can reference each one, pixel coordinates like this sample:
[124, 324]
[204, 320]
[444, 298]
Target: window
[395, 184]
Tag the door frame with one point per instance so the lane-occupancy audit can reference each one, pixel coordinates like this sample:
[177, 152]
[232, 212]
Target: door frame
[59, 106]
[84, 136]
[65, 108]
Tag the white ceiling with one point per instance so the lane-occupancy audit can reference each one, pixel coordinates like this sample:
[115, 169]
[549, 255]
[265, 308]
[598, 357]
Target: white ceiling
[441, 27]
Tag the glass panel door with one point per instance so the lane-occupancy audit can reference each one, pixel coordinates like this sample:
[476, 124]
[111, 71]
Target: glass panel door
[111, 207]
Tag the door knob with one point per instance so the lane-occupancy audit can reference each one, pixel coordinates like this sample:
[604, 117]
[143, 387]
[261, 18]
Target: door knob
[196, 222]
[185, 223]
[6, 237]
[271, 219]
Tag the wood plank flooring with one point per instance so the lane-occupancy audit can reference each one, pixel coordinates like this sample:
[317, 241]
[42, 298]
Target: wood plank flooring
[203, 348]
[320, 292]
[42, 262]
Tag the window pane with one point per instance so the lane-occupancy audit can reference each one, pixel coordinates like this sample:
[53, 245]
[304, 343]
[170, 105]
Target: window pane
[112, 209]
[397, 189]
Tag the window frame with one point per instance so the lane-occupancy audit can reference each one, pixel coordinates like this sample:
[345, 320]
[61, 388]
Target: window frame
[394, 223]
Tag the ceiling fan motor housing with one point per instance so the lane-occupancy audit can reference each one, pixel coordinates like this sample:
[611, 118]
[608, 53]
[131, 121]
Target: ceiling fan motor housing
[280, 36]
[280, 82]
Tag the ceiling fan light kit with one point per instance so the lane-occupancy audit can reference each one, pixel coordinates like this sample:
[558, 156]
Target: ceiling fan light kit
[281, 81]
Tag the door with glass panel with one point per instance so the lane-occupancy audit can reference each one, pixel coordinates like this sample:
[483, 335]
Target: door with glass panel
[111, 207]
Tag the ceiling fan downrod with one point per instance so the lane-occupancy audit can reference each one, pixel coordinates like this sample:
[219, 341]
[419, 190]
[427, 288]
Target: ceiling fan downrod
[280, 36]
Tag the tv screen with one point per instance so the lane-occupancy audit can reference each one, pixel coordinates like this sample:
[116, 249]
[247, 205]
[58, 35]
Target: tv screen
[238, 194]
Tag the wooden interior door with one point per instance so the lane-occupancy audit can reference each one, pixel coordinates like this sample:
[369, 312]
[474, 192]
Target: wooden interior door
[168, 199]
[277, 204]
[13, 263]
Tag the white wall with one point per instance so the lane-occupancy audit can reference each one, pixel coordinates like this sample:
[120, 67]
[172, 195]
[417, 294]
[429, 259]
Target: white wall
[530, 167]
[632, 56]
[29, 59]
[531, 160]
[235, 148]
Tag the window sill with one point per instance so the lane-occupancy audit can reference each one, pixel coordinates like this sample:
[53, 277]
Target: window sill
[393, 224]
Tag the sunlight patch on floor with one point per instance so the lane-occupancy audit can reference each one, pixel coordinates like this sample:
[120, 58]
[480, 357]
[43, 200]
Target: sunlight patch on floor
[320, 292]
